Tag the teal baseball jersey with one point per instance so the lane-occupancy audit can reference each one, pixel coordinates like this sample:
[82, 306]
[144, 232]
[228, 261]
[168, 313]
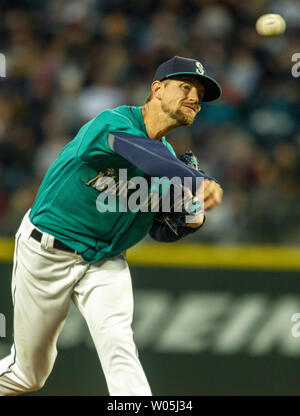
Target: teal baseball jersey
[67, 204]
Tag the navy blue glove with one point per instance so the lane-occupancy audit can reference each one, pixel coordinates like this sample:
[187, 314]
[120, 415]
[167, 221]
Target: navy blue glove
[189, 208]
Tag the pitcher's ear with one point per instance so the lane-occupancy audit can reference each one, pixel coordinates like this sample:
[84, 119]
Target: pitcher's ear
[156, 89]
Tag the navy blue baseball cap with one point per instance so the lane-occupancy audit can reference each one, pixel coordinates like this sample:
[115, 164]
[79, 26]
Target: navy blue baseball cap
[192, 68]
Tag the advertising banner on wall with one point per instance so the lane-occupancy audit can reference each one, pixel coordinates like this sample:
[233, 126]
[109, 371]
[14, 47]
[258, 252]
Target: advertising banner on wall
[198, 332]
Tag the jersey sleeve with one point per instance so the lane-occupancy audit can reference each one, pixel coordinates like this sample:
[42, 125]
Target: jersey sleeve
[94, 137]
[153, 158]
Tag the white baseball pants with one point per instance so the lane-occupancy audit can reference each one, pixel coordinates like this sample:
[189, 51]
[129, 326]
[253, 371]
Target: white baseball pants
[44, 280]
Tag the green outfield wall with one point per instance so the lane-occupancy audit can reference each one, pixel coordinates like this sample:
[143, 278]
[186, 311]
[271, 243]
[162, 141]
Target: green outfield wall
[213, 328]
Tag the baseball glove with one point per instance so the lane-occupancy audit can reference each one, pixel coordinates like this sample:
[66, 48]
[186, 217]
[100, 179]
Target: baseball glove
[180, 208]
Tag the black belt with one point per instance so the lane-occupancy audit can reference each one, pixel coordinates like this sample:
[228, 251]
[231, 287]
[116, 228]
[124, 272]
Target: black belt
[37, 235]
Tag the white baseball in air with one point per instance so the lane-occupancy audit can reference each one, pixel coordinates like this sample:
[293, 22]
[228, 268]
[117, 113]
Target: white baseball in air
[270, 25]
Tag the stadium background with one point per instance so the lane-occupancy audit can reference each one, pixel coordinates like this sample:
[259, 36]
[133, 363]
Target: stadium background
[213, 313]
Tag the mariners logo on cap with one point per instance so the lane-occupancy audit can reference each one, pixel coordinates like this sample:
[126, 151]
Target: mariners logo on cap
[199, 68]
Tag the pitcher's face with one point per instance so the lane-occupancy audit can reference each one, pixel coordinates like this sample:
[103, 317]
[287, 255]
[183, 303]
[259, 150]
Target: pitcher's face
[181, 98]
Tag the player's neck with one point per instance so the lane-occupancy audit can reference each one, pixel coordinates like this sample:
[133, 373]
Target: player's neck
[157, 123]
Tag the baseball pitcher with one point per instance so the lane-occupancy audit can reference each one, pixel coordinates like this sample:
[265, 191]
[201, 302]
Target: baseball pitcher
[72, 243]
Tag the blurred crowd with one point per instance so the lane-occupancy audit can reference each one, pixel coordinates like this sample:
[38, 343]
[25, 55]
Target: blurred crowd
[69, 60]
